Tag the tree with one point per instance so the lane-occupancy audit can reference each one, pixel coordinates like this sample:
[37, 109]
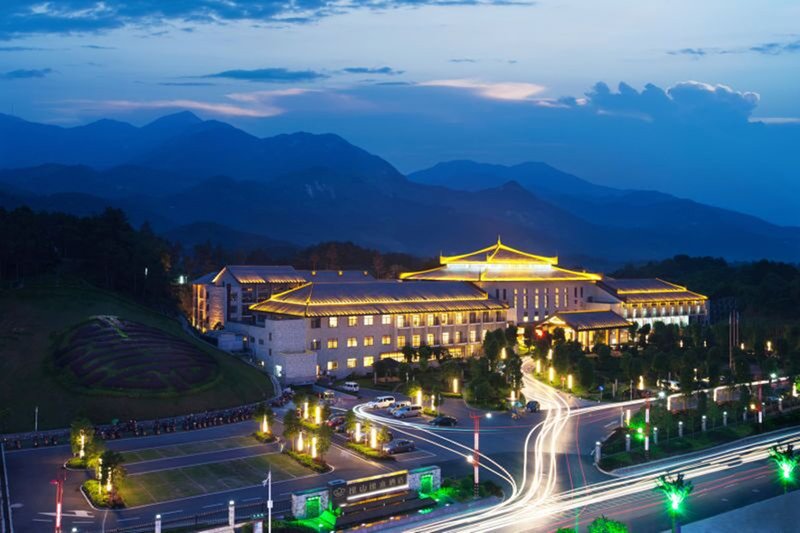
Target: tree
[602, 524]
[112, 463]
[586, 373]
[81, 427]
[675, 491]
[324, 434]
[262, 410]
[425, 353]
[291, 425]
[408, 352]
[350, 420]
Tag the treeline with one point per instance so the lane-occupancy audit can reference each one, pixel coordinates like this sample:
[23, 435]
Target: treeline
[204, 258]
[103, 249]
[761, 289]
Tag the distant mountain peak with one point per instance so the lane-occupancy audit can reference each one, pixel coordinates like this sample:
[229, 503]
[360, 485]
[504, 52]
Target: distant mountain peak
[179, 119]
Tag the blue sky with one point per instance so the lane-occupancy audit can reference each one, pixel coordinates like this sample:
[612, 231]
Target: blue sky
[419, 82]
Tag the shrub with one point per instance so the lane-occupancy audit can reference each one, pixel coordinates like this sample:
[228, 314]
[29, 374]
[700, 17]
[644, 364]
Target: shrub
[366, 451]
[304, 459]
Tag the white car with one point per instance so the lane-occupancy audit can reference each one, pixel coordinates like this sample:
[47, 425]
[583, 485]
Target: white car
[381, 402]
[350, 386]
[408, 411]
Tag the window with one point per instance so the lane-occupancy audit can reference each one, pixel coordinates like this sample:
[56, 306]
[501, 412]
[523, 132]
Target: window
[386, 320]
[536, 299]
[430, 340]
[558, 300]
[333, 365]
[505, 297]
[352, 362]
[581, 292]
[261, 341]
[429, 319]
[369, 341]
[415, 340]
[352, 342]
[446, 337]
[368, 360]
[443, 319]
[401, 321]
[459, 337]
[270, 337]
[333, 321]
[401, 341]
[459, 318]
[352, 321]
[368, 320]
[333, 344]
[315, 322]
[315, 344]
[473, 335]
[415, 320]
[386, 340]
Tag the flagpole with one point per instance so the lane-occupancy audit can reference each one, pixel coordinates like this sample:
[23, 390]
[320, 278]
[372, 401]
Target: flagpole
[269, 501]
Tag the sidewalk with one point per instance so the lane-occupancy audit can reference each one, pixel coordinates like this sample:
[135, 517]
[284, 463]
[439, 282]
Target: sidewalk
[776, 515]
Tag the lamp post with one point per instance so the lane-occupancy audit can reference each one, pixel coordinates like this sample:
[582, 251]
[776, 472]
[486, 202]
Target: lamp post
[455, 385]
[59, 483]
[476, 419]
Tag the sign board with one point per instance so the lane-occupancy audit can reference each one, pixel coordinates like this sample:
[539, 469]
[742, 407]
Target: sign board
[358, 489]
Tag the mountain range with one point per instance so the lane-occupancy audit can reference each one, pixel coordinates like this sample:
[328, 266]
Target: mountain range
[197, 180]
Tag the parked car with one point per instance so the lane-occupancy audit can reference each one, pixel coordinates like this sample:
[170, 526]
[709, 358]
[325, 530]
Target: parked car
[532, 406]
[381, 402]
[443, 421]
[350, 386]
[408, 411]
[399, 446]
[329, 397]
[398, 405]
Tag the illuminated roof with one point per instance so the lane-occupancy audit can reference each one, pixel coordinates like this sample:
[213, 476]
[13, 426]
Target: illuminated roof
[377, 298]
[588, 320]
[205, 280]
[497, 253]
[499, 262]
[261, 274]
[648, 290]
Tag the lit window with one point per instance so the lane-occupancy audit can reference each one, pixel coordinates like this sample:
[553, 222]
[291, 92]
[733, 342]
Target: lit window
[401, 341]
[333, 321]
[369, 341]
[352, 362]
[368, 320]
[352, 342]
[333, 344]
[315, 344]
[415, 340]
[386, 320]
[443, 319]
[333, 365]
[430, 340]
[429, 319]
[458, 337]
[473, 335]
[352, 321]
[401, 321]
[459, 318]
[386, 340]
[415, 320]
[446, 337]
[368, 360]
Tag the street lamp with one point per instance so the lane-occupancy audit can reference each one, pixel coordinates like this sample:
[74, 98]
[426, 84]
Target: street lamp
[305, 410]
[551, 374]
[455, 385]
[373, 437]
[419, 396]
[569, 381]
[675, 491]
[474, 459]
[358, 432]
[317, 414]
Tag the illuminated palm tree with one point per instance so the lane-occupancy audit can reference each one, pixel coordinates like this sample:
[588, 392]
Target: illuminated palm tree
[786, 461]
[675, 491]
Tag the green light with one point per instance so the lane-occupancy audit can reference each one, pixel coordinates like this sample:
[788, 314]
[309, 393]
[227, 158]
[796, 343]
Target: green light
[675, 491]
[675, 499]
[787, 471]
[786, 461]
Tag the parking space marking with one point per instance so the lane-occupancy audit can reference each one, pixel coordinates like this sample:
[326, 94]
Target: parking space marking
[411, 456]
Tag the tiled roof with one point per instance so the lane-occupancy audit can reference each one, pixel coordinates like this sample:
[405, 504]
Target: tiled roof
[336, 275]
[553, 273]
[648, 290]
[262, 274]
[589, 320]
[378, 297]
[498, 253]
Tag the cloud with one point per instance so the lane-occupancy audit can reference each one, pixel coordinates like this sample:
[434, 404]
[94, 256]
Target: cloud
[518, 91]
[215, 108]
[98, 47]
[463, 60]
[367, 70]
[187, 83]
[685, 101]
[22, 74]
[273, 75]
[23, 49]
[692, 52]
[777, 48]
[25, 17]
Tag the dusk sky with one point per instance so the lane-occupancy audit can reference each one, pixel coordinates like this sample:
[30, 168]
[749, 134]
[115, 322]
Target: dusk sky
[421, 82]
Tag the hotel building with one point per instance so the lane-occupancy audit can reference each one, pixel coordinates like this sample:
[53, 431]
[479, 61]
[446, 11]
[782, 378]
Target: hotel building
[305, 323]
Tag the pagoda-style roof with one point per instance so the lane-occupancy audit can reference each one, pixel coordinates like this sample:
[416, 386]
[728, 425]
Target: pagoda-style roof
[261, 274]
[588, 320]
[499, 262]
[648, 290]
[497, 253]
[378, 298]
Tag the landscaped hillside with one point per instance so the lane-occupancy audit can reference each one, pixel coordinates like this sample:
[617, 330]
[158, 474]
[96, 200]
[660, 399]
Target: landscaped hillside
[36, 320]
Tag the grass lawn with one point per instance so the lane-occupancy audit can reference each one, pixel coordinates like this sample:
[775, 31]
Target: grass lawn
[188, 448]
[164, 485]
[30, 319]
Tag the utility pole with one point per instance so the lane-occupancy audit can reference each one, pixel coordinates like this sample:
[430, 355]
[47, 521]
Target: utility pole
[476, 419]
